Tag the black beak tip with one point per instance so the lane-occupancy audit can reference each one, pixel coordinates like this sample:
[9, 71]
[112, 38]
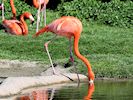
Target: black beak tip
[32, 22]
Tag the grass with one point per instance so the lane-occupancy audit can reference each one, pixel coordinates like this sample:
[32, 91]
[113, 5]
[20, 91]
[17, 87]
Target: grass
[109, 49]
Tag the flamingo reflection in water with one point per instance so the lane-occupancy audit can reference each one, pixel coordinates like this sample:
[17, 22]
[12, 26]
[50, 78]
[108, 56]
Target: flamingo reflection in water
[91, 89]
[45, 95]
[38, 95]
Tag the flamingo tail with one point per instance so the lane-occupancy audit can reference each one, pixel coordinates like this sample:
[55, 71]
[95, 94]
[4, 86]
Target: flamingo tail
[41, 31]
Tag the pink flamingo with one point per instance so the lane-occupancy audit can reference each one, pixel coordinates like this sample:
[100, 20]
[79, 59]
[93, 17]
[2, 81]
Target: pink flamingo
[39, 95]
[16, 27]
[69, 27]
[40, 5]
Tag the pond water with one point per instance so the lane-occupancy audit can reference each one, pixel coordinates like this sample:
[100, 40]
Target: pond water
[102, 90]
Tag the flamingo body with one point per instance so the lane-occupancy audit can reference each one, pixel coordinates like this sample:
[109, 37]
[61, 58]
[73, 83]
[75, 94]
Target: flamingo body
[42, 2]
[66, 26]
[36, 95]
[16, 27]
[13, 27]
[69, 27]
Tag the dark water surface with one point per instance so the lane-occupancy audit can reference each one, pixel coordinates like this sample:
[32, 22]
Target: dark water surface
[102, 90]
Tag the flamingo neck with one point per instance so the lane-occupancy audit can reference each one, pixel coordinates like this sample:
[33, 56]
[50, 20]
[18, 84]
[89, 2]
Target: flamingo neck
[81, 57]
[25, 32]
[13, 8]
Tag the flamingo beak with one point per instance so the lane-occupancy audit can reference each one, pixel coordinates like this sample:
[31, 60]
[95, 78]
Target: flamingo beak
[32, 22]
[31, 19]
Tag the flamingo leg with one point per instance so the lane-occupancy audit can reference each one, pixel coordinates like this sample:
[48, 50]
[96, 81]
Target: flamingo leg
[52, 94]
[71, 54]
[44, 13]
[2, 10]
[43, 10]
[72, 59]
[46, 47]
[38, 17]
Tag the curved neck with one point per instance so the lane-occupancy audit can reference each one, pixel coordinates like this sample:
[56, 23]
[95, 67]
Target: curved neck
[13, 8]
[25, 31]
[81, 57]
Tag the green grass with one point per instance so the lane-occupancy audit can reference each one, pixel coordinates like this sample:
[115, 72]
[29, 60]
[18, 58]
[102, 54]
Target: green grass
[109, 49]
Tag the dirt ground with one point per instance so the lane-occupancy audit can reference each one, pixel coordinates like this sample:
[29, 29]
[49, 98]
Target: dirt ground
[16, 68]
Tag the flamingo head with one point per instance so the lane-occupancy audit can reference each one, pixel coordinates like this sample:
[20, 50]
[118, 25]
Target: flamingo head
[28, 15]
[91, 78]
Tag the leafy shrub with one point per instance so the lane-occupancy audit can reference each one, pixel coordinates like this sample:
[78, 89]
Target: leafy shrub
[114, 13]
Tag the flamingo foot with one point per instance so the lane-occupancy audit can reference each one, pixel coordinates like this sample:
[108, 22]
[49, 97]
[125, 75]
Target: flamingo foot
[69, 63]
[58, 73]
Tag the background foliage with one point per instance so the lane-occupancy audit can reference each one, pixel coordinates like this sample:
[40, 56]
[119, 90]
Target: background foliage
[109, 12]
[114, 13]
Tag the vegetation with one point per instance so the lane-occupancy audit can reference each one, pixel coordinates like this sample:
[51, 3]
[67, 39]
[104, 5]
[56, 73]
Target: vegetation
[113, 13]
[109, 49]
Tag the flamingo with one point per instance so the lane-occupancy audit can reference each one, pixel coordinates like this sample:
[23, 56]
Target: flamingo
[36, 95]
[37, 4]
[39, 95]
[40, 4]
[16, 27]
[67, 26]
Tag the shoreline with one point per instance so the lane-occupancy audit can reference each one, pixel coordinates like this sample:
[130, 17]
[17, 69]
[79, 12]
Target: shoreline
[13, 68]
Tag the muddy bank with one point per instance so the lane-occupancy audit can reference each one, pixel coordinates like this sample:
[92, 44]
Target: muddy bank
[16, 68]
[17, 75]
[9, 68]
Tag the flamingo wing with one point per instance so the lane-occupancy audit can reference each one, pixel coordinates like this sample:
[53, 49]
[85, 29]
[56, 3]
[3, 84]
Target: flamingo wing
[13, 26]
[66, 26]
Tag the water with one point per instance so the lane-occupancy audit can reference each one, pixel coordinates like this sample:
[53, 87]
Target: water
[102, 90]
